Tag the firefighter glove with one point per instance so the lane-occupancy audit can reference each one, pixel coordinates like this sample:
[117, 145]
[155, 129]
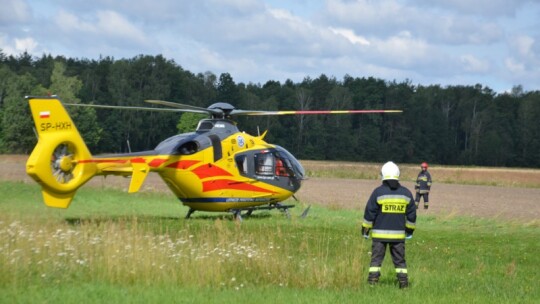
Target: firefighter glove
[365, 232]
[408, 233]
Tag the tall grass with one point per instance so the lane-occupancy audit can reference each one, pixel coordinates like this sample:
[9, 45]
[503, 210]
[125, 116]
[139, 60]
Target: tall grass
[216, 253]
[142, 249]
[116, 249]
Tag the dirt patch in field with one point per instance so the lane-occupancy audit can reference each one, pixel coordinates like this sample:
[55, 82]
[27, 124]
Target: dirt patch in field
[513, 203]
[445, 199]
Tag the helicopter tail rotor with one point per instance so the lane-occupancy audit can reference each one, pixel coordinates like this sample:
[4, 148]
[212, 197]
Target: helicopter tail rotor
[57, 162]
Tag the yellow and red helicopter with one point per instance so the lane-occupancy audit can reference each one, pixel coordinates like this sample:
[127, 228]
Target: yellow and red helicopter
[215, 168]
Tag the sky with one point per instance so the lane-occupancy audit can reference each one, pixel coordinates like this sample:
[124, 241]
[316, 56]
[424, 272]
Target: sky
[495, 43]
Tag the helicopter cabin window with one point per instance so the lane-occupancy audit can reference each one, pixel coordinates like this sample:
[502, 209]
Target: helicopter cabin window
[242, 164]
[188, 148]
[264, 164]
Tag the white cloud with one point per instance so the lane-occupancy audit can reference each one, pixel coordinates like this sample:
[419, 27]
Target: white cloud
[26, 44]
[17, 46]
[105, 23]
[525, 59]
[403, 51]
[386, 18]
[460, 30]
[116, 25]
[523, 45]
[68, 22]
[350, 35]
[514, 67]
[367, 14]
[5, 46]
[473, 64]
[488, 8]
[265, 35]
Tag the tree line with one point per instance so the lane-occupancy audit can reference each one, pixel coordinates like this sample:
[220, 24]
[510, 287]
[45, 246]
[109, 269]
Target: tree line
[450, 125]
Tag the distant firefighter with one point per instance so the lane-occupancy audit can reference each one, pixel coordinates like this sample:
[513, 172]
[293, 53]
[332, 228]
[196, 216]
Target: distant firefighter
[390, 217]
[423, 186]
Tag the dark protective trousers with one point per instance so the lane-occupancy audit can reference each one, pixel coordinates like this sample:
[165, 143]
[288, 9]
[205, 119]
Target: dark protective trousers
[426, 198]
[378, 251]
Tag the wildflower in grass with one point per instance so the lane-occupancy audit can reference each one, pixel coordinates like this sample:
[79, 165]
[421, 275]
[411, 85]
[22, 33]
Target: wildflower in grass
[81, 262]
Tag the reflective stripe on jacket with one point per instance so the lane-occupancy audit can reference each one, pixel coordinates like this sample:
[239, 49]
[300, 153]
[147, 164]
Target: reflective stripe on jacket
[423, 182]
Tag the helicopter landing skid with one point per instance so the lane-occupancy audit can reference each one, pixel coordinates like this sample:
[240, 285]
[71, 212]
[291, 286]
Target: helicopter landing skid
[249, 210]
[189, 213]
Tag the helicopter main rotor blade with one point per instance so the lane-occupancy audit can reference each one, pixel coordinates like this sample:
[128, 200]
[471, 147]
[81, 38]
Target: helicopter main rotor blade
[220, 112]
[249, 112]
[316, 112]
[121, 107]
[184, 107]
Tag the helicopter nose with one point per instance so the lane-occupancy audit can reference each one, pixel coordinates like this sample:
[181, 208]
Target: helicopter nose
[295, 183]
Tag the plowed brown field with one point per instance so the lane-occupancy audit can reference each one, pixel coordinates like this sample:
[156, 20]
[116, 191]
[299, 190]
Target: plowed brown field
[514, 203]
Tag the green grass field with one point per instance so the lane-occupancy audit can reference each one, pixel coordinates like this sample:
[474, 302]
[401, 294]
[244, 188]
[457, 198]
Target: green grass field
[110, 246]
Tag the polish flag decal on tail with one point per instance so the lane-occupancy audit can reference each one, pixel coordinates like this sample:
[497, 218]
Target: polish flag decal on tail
[44, 114]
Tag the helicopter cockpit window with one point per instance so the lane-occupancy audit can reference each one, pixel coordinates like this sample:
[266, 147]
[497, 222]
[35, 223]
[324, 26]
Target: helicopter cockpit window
[264, 164]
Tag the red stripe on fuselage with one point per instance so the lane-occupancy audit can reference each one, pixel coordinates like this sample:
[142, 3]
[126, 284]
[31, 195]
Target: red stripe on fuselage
[222, 184]
[138, 160]
[156, 162]
[210, 170]
[95, 160]
[183, 164]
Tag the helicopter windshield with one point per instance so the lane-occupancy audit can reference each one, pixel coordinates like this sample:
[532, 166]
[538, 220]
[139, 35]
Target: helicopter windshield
[290, 163]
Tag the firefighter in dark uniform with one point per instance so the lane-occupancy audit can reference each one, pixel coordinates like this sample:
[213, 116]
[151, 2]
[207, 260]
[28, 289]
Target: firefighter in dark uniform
[423, 186]
[390, 217]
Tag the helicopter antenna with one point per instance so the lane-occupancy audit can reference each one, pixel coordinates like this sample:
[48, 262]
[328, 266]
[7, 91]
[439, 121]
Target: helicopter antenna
[128, 145]
[258, 131]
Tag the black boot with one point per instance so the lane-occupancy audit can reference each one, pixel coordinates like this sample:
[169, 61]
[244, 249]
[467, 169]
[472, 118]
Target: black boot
[426, 206]
[373, 279]
[403, 281]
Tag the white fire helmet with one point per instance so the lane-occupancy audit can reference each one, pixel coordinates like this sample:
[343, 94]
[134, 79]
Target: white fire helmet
[390, 171]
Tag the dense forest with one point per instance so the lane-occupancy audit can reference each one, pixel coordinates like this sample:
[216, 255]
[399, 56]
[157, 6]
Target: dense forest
[452, 125]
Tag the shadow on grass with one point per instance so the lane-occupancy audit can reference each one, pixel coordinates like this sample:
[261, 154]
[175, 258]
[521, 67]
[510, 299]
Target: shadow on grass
[77, 221]
[97, 220]
[231, 217]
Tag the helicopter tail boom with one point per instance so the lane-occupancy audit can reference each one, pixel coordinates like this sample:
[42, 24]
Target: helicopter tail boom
[55, 161]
